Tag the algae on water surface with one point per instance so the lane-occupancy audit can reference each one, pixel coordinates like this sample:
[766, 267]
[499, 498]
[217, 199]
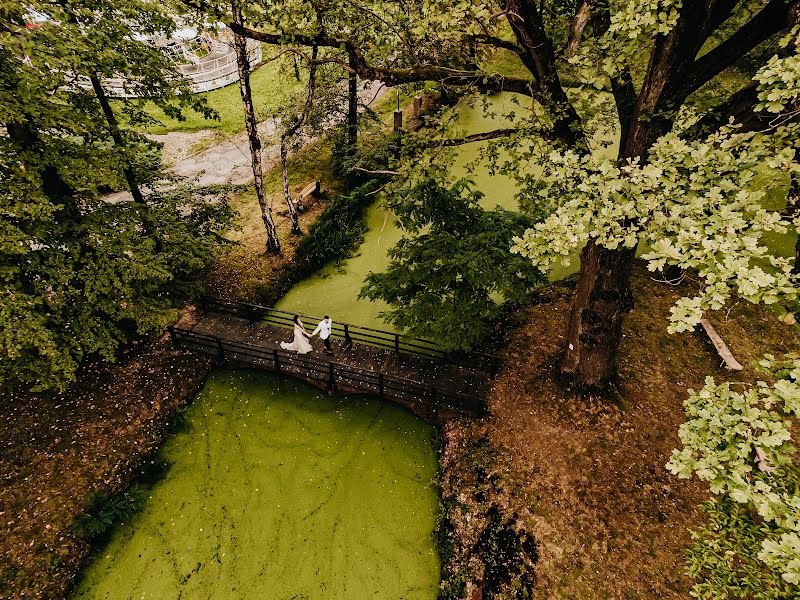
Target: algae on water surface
[279, 491]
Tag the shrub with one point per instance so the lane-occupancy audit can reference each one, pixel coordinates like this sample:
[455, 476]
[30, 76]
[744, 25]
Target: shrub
[103, 512]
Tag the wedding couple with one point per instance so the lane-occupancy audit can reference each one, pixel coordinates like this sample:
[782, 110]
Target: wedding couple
[300, 343]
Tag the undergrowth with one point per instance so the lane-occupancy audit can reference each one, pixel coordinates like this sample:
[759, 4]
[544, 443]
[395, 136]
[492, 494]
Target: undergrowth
[104, 511]
[482, 551]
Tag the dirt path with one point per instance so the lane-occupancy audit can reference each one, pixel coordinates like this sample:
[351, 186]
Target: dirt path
[228, 161]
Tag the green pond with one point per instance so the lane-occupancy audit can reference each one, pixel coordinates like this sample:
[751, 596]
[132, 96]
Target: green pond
[278, 491]
[334, 290]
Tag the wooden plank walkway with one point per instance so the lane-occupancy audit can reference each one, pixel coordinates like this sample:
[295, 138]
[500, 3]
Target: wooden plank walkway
[432, 387]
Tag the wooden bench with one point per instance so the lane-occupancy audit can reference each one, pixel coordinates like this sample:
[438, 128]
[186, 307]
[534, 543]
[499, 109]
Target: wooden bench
[312, 189]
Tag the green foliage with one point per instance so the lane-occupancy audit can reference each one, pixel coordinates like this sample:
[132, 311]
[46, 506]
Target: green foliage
[693, 203]
[337, 233]
[447, 277]
[740, 442]
[723, 559]
[81, 275]
[79, 285]
[103, 512]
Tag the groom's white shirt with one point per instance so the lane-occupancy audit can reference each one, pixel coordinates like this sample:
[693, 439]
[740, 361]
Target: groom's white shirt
[323, 329]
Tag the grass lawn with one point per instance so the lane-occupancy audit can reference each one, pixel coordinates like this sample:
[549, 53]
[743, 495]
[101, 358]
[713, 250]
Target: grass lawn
[270, 84]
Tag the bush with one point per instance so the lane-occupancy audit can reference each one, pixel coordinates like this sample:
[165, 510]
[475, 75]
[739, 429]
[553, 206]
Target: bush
[338, 232]
[103, 512]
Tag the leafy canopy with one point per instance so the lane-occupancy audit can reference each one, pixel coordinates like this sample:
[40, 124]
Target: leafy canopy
[453, 266]
[81, 275]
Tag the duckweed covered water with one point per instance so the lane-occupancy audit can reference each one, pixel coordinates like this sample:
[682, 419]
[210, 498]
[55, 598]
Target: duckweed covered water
[334, 289]
[278, 491]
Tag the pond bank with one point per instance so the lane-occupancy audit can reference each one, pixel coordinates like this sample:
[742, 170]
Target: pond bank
[58, 449]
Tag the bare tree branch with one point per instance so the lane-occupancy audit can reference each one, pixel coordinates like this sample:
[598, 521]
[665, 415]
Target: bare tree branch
[771, 20]
[480, 137]
[577, 27]
[496, 42]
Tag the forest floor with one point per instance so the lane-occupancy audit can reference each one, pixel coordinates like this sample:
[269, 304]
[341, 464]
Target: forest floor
[586, 476]
[58, 449]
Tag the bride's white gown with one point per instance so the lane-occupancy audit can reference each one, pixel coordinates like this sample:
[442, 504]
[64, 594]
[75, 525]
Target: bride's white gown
[299, 344]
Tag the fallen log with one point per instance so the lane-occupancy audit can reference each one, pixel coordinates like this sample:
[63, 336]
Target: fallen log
[312, 189]
[722, 348]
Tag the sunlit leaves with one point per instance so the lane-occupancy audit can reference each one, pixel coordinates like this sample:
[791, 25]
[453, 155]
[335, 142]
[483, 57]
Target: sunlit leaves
[740, 443]
[694, 205]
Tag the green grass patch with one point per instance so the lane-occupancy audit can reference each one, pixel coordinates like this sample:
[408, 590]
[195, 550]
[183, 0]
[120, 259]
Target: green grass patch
[270, 84]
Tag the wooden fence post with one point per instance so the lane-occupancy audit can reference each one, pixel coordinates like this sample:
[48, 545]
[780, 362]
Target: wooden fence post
[417, 106]
[397, 343]
[398, 120]
[172, 335]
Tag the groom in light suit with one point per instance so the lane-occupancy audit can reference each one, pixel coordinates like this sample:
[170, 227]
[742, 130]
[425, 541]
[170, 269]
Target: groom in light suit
[324, 331]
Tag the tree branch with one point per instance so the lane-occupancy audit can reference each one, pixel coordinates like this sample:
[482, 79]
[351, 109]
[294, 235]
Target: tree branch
[496, 42]
[622, 88]
[577, 27]
[479, 137]
[540, 59]
[391, 76]
[771, 20]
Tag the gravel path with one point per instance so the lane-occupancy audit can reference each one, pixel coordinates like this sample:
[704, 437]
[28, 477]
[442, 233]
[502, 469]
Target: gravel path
[229, 161]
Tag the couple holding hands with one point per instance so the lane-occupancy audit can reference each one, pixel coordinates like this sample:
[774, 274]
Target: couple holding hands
[300, 343]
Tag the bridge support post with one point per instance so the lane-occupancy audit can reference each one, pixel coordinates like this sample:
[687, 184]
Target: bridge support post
[276, 359]
[220, 350]
[172, 335]
[397, 343]
[380, 384]
[331, 377]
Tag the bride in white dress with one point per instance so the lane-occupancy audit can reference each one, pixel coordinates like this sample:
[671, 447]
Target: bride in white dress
[300, 342]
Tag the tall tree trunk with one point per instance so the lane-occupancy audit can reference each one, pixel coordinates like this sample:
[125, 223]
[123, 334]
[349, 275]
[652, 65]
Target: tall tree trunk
[285, 175]
[793, 211]
[603, 296]
[240, 45]
[602, 299]
[116, 135]
[352, 108]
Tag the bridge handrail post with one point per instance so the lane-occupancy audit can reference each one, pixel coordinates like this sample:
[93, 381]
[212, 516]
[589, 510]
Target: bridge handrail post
[348, 341]
[276, 359]
[381, 385]
[397, 343]
[220, 350]
[331, 376]
[173, 337]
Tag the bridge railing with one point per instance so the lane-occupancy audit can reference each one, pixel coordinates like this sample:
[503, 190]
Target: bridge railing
[349, 333]
[333, 374]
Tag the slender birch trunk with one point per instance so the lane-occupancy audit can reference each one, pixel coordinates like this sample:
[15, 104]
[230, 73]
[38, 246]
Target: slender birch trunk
[273, 245]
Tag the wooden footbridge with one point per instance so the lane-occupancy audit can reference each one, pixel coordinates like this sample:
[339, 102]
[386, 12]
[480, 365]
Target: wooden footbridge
[434, 384]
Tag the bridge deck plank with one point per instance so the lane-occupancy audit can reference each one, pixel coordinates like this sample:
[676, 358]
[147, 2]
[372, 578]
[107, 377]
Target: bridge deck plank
[445, 376]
